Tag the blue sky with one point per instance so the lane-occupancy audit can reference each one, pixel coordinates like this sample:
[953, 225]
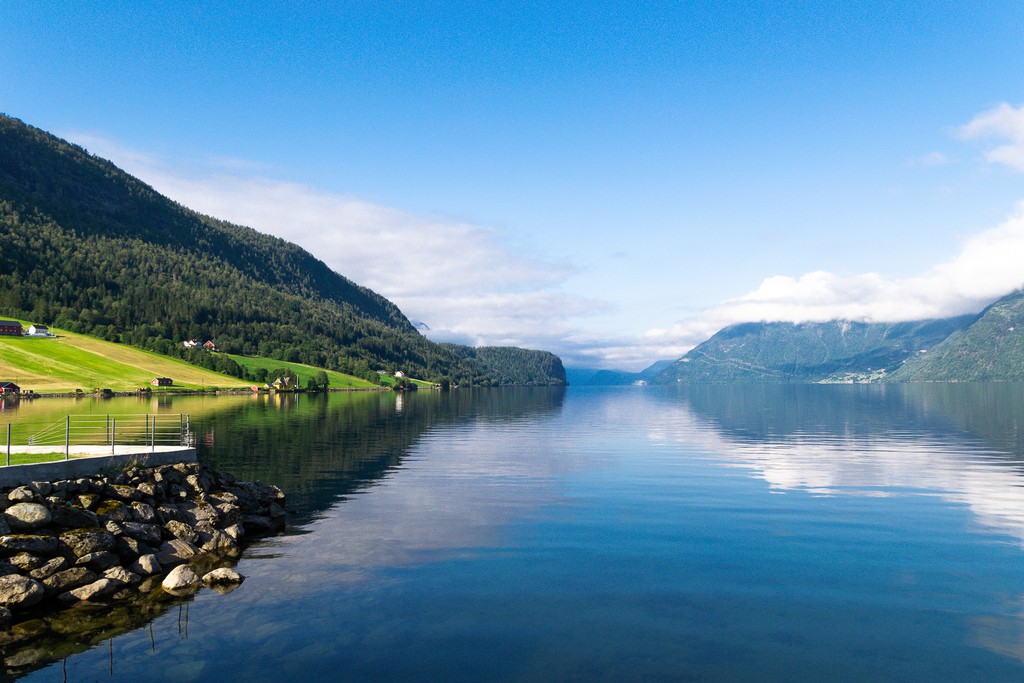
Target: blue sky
[610, 181]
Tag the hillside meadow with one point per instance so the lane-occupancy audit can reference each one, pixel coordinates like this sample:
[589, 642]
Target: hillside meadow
[302, 372]
[337, 380]
[73, 361]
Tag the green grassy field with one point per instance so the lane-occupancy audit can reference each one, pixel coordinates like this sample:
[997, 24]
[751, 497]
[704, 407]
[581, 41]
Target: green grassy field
[302, 372]
[31, 458]
[73, 361]
[390, 381]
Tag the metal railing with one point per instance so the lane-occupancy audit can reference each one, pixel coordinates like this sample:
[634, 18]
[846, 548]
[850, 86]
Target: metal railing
[98, 434]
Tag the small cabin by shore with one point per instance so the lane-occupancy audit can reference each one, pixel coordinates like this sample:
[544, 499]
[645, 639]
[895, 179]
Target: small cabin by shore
[162, 382]
[9, 388]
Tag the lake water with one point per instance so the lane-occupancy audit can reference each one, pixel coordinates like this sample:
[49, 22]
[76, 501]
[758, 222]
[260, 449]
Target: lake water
[769, 533]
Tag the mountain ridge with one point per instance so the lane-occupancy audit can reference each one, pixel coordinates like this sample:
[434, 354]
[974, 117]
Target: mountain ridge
[831, 351]
[990, 349]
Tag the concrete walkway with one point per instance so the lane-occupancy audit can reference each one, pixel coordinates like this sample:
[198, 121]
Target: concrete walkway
[87, 461]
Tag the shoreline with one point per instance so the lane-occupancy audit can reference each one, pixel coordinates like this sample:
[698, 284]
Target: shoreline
[184, 392]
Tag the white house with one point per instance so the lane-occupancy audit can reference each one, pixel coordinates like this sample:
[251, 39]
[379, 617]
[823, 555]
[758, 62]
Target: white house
[39, 331]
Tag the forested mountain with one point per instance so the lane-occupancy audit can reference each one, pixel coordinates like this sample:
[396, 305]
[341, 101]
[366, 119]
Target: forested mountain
[833, 351]
[992, 348]
[595, 377]
[89, 248]
[515, 365]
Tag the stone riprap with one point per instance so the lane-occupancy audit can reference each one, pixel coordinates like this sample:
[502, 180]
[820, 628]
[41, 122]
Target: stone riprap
[110, 537]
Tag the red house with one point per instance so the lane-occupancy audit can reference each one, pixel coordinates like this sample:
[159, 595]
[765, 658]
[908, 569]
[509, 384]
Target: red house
[11, 327]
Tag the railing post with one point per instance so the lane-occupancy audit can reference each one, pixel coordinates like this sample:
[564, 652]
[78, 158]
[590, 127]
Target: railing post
[113, 429]
[181, 429]
[188, 431]
[107, 433]
[8, 443]
[67, 438]
[152, 437]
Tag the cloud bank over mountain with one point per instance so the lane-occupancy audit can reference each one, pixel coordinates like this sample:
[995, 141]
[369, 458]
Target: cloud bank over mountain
[987, 266]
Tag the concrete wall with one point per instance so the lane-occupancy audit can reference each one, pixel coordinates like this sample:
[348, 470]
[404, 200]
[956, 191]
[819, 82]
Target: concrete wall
[17, 475]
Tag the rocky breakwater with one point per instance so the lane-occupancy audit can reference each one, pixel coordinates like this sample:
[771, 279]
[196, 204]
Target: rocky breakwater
[108, 538]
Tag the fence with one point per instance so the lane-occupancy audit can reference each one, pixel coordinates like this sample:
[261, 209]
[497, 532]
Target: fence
[97, 435]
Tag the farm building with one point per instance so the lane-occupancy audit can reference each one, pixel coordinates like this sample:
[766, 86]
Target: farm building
[39, 331]
[162, 382]
[11, 327]
[9, 388]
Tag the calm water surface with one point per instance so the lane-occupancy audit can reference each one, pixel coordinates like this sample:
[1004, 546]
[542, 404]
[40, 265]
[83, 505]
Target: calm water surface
[706, 533]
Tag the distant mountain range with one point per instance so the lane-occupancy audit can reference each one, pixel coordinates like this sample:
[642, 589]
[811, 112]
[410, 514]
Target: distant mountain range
[835, 351]
[86, 247]
[987, 346]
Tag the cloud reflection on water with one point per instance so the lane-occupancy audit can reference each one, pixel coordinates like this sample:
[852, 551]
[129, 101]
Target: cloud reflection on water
[455, 488]
[898, 439]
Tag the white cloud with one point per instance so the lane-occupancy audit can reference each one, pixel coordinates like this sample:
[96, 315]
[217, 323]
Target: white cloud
[932, 159]
[990, 264]
[1003, 122]
[460, 278]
